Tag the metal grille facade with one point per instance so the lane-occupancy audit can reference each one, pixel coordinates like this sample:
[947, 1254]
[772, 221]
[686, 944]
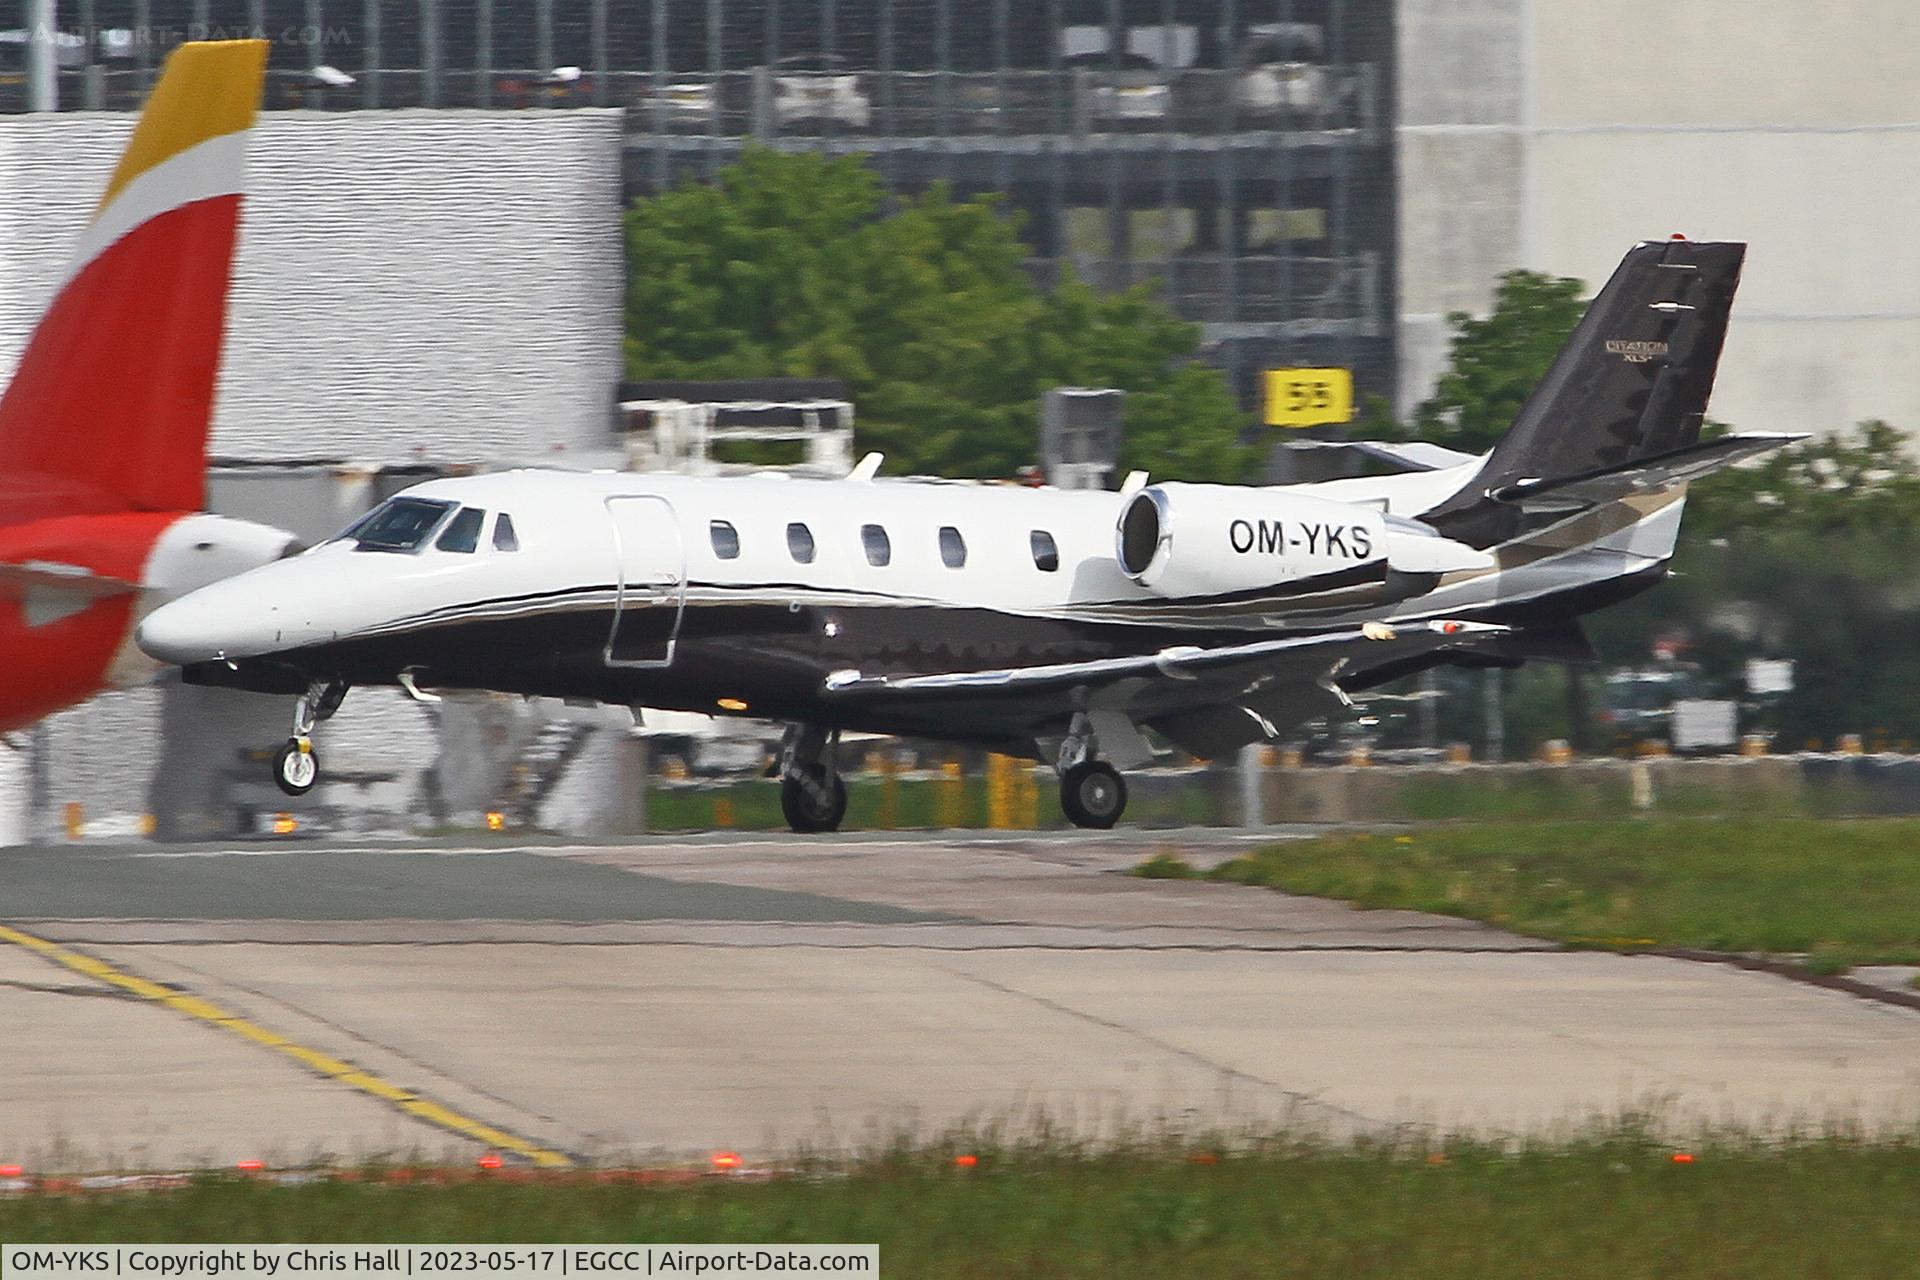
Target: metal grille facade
[1234, 155]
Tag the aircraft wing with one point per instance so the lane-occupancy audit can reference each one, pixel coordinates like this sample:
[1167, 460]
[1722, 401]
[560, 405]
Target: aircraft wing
[1206, 699]
[1648, 475]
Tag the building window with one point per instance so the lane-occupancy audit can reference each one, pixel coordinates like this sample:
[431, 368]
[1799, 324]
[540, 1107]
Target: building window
[463, 532]
[953, 548]
[800, 542]
[1046, 556]
[725, 539]
[879, 547]
[504, 538]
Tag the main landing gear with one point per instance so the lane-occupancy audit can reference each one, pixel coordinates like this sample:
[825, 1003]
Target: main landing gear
[812, 796]
[295, 767]
[1092, 792]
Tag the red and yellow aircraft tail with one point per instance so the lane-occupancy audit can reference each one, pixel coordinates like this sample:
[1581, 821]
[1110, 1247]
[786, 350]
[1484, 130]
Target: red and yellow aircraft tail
[110, 405]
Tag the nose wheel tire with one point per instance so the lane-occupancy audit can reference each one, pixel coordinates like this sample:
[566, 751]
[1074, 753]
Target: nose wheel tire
[1093, 794]
[295, 767]
[815, 803]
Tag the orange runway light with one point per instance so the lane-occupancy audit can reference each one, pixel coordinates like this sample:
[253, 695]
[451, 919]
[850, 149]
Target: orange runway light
[966, 1161]
[284, 825]
[491, 1160]
[726, 1160]
[496, 820]
[1683, 1157]
[250, 1166]
[731, 704]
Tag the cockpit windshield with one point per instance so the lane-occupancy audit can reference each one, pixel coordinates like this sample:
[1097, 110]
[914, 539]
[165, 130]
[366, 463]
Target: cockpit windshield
[398, 524]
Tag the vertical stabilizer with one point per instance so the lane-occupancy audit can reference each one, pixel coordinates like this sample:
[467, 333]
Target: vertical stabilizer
[1632, 382]
[114, 393]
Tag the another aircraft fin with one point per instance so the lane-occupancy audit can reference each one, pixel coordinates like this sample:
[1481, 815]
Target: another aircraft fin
[114, 392]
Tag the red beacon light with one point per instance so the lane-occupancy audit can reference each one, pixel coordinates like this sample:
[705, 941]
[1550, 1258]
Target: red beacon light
[12, 1171]
[1676, 236]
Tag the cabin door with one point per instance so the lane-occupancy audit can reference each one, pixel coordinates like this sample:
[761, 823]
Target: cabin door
[651, 569]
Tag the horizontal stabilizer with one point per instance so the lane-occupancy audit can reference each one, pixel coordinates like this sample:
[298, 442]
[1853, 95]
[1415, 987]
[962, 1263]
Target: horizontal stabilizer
[49, 590]
[53, 575]
[1643, 476]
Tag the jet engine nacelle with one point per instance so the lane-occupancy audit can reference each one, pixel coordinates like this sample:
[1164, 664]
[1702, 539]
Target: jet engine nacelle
[1212, 539]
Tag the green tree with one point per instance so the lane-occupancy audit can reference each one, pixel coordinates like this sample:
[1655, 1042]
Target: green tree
[1861, 481]
[803, 266]
[1494, 363]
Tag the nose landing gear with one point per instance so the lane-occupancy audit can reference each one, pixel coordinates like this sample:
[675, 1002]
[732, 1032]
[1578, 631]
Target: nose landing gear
[812, 796]
[295, 766]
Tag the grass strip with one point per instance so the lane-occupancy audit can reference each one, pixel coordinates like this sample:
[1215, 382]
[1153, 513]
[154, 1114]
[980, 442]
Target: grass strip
[1616, 1205]
[1838, 892]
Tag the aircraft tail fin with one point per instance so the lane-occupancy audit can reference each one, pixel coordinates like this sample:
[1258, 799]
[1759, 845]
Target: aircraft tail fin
[114, 393]
[1630, 384]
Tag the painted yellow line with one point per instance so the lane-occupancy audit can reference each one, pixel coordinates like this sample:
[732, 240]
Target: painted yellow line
[324, 1064]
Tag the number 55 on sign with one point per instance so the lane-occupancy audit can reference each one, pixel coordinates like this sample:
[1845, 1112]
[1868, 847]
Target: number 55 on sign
[1309, 397]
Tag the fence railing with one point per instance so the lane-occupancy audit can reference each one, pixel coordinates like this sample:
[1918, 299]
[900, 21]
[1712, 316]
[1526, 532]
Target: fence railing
[770, 102]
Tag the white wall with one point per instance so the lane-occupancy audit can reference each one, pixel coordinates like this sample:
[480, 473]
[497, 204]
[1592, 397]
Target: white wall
[1793, 127]
[448, 282]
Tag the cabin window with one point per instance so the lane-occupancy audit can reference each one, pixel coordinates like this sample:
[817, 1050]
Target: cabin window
[504, 538]
[725, 539]
[1046, 556]
[878, 546]
[398, 524]
[953, 548]
[463, 531]
[800, 542]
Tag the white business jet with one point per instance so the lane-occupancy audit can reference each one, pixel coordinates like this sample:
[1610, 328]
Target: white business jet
[1060, 625]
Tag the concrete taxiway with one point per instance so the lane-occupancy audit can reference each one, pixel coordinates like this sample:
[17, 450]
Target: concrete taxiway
[166, 1005]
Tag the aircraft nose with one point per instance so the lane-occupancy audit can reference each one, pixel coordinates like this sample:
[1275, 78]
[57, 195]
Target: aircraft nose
[193, 628]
